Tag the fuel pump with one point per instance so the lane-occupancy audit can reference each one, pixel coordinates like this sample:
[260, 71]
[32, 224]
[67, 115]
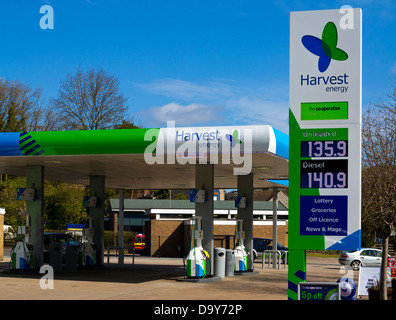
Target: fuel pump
[22, 255]
[197, 258]
[241, 255]
[87, 251]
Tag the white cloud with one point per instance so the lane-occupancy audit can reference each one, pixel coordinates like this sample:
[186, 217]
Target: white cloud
[180, 89]
[259, 110]
[183, 115]
[220, 102]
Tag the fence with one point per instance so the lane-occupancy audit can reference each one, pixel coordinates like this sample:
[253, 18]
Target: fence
[117, 255]
[281, 255]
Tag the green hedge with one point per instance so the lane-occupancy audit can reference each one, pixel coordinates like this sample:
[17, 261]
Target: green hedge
[324, 253]
[111, 238]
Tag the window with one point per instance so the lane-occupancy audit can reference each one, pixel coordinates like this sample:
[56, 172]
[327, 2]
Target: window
[370, 253]
[259, 242]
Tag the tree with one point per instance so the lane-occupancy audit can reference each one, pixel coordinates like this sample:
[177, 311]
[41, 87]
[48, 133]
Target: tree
[90, 100]
[18, 104]
[63, 204]
[45, 119]
[379, 174]
[126, 124]
[8, 199]
[161, 193]
[180, 196]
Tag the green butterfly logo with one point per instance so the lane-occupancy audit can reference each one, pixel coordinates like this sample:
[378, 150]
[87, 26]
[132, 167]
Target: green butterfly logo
[234, 139]
[325, 48]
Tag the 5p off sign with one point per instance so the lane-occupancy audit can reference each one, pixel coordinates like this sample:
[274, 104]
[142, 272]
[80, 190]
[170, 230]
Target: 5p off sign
[325, 129]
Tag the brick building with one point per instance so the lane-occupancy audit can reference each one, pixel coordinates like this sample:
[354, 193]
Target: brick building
[166, 223]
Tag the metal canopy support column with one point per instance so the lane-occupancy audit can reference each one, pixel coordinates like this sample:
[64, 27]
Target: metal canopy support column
[245, 189]
[97, 189]
[35, 208]
[121, 227]
[204, 179]
[274, 226]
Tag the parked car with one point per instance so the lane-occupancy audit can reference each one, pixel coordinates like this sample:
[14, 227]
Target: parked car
[262, 244]
[367, 257]
[58, 237]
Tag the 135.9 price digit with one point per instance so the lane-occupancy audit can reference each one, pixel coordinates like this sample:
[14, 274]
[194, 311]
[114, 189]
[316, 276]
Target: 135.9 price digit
[331, 148]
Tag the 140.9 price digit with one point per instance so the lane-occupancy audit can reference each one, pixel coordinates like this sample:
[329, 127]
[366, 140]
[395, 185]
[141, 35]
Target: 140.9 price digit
[327, 180]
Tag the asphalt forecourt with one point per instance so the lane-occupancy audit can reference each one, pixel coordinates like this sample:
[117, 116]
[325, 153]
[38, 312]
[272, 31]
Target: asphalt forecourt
[157, 279]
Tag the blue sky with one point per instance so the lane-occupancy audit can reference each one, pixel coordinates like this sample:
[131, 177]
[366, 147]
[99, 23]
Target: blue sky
[199, 63]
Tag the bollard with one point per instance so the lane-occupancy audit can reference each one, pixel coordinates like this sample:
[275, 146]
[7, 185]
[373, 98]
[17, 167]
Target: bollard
[230, 262]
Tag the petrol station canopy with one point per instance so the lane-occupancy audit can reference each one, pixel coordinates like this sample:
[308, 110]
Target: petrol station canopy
[158, 158]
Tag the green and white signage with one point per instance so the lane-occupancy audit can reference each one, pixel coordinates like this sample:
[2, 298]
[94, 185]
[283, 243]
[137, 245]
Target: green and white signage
[324, 135]
[325, 129]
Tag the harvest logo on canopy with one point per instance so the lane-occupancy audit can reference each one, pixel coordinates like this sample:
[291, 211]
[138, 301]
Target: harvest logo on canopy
[234, 139]
[201, 145]
[325, 48]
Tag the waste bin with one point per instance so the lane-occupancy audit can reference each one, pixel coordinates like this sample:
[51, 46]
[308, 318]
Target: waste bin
[219, 263]
[71, 257]
[230, 262]
[55, 256]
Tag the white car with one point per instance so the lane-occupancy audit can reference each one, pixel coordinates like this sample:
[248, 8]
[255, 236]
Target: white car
[367, 257]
